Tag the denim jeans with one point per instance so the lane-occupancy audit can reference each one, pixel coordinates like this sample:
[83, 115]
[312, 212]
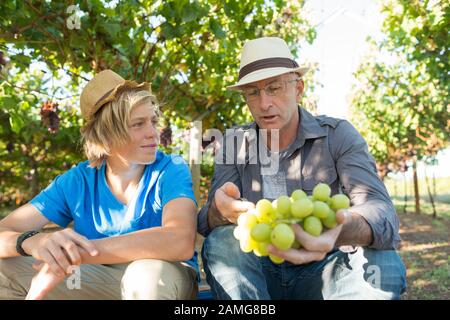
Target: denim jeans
[362, 274]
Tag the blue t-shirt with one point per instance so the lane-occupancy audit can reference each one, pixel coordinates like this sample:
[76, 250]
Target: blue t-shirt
[82, 195]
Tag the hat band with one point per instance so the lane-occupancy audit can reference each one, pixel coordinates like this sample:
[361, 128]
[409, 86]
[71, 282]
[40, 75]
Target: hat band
[103, 97]
[267, 63]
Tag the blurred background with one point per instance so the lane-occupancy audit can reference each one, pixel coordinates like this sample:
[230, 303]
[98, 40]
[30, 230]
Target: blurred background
[383, 65]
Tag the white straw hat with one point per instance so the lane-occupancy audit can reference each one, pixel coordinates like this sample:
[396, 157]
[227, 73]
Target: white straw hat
[264, 58]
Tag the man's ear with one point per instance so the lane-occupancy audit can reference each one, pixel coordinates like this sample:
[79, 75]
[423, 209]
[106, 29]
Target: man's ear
[300, 88]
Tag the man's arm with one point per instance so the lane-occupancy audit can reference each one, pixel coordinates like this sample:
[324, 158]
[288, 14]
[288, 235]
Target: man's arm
[356, 232]
[225, 170]
[214, 217]
[376, 222]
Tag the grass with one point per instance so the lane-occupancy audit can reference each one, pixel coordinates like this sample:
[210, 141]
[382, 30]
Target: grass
[425, 250]
[396, 189]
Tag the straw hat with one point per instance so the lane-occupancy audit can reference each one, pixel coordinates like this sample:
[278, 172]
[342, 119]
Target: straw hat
[264, 58]
[102, 89]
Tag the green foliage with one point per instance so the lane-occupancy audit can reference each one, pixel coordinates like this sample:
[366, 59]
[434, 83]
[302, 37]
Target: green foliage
[30, 155]
[420, 30]
[400, 104]
[188, 50]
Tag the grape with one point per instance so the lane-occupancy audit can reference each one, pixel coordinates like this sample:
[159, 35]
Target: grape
[296, 245]
[330, 221]
[302, 208]
[313, 226]
[247, 220]
[264, 211]
[49, 116]
[237, 232]
[321, 192]
[282, 236]
[264, 207]
[261, 249]
[298, 194]
[276, 213]
[165, 136]
[246, 242]
[270, 222]
[340, 201]
[3, 61]
[10, 147]
[276, 259]
[261, 232]
[284, 205]
[320, 209]
[274, 205]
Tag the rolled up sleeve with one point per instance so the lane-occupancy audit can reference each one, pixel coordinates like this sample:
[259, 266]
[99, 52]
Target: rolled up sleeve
[368, 195]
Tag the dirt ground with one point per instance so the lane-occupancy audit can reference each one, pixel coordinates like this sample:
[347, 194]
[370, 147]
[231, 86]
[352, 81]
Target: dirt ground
[425, 250]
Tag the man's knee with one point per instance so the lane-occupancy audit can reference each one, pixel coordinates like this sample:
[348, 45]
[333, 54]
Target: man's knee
[151, 279]
[385, 270]
[221, 243]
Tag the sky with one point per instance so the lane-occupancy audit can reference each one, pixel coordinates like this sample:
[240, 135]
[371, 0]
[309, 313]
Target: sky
[342, 27]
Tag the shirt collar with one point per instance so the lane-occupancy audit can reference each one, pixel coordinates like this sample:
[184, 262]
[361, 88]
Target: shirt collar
[309, 128]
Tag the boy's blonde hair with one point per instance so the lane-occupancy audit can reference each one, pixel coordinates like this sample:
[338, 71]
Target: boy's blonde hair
[110, 125]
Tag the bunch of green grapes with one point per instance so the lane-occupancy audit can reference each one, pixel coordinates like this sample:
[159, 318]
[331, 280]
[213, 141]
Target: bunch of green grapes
[270, 222]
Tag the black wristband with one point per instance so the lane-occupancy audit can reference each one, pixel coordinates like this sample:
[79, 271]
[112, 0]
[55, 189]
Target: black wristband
[24, 236]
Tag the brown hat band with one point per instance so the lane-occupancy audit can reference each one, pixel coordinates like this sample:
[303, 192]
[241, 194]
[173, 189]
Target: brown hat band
[103, 97]
[267, 63]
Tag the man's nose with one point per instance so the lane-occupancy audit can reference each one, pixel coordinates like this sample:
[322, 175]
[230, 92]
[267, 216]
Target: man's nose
[265, 101]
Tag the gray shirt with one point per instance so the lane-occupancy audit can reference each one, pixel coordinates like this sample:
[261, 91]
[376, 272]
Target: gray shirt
[334, 153]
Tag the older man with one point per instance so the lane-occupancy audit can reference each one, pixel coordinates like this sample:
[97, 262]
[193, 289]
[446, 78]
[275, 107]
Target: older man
[355, 260]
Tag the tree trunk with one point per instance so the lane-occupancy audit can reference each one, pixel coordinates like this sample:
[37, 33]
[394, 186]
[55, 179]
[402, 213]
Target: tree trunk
[34, 184]
[395, 188]
[405, 184]
[430, 195]
[195, 156]
[416, 186]
[434, 183]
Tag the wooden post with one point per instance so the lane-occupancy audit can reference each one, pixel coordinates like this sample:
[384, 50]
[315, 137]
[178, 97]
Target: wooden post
[195, 156]
[430, 195]
[405, 196]
[416, 185]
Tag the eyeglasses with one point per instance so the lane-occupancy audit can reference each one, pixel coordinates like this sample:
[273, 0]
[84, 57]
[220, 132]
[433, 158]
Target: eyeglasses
[272, 89]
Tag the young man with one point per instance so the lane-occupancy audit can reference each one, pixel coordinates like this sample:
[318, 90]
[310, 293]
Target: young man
[355, 260]
[134, 228]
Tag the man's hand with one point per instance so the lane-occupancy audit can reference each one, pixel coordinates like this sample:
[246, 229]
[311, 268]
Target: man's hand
[59, 249]
[313, 248]
[42, 282]
[228, 204]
